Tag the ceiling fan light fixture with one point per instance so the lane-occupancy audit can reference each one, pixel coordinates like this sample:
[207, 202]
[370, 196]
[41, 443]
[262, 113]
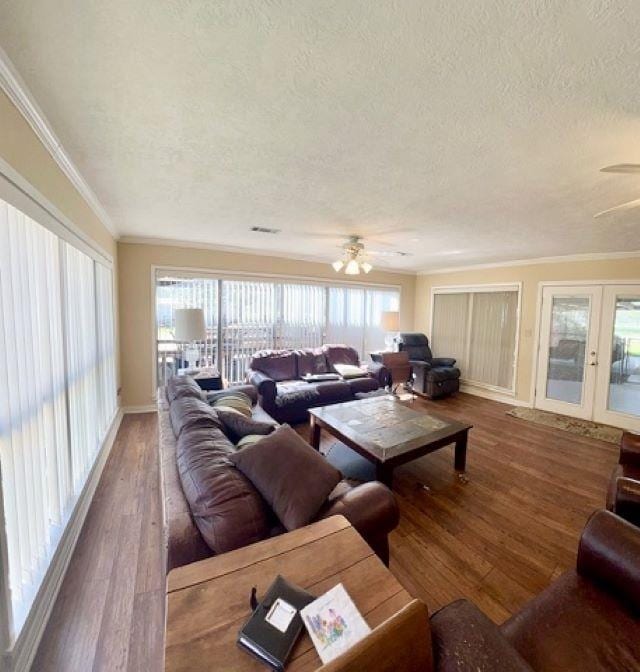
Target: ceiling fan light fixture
[352, 268]
[337, 265]
[366, 266]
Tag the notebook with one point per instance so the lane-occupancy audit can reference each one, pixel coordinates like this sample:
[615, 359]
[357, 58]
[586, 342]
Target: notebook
[275, 624]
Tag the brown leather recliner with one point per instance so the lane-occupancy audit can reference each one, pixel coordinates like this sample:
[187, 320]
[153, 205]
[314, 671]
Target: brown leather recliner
[623, 495]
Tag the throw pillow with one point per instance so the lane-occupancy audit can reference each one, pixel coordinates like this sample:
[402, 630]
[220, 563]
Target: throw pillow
[237, 426]
[183, 386]
[293, 478]
[235, 401]
[249, 440]
[349, 371]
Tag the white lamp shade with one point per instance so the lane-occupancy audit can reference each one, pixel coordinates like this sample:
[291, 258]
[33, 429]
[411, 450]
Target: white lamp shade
[390, 320]
[190, 325]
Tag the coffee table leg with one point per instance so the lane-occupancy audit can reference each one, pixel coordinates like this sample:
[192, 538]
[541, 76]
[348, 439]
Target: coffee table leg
[460, 461]
[315, 433]
[384, 474]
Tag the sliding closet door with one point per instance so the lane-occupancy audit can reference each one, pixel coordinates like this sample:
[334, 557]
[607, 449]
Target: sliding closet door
[618, 372]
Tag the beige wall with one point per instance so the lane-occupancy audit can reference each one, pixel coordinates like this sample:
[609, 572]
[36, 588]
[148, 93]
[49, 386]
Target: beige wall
[530, 277]
[136, 296]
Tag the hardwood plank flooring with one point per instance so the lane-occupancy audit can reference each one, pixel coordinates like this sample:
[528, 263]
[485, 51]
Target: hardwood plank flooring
[497, 540]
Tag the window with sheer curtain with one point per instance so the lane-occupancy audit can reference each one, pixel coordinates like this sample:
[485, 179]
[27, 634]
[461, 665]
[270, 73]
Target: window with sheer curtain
[478, 326]
[249, 315]
[57, 392]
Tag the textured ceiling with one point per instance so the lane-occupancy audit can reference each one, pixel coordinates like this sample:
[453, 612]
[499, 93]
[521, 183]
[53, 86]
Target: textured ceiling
[480, 124]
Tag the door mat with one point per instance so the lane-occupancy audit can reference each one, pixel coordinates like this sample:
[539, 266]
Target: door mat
[593, 430]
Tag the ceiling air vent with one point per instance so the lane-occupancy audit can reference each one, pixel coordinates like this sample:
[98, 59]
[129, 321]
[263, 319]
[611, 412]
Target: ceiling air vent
[264, 229]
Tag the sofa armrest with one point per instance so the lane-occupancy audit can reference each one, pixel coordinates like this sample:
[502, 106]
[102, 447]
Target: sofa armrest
[627, 499]
[379, 372]
[371, 508]
[443, 361]
[266, 386]
[420, 364]
[630, 449]
[609, 555]
[465, 639]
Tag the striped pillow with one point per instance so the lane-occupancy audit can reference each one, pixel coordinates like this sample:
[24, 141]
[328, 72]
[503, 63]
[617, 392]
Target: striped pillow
[234, 401]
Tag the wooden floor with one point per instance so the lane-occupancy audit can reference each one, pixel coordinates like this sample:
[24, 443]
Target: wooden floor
[497, 540]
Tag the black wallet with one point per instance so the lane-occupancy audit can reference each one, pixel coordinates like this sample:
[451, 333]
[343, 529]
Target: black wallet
[265, 641]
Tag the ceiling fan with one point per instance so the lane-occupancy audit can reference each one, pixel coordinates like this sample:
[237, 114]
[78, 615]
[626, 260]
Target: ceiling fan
[355, 258]
[621, 168]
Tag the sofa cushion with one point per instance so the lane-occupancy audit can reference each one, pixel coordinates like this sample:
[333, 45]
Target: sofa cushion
[340, 354]
[362, 385]
[227, 509]
[333, 392]
[311, 361]
[236, 426]
[293, 478]
[183, 386]
[277, 364]
[188, 412]
[296, 393]
[237, 402]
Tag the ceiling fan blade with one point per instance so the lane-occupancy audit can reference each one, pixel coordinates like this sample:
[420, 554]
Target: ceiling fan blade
[620, 208]
[622, 168]
[387, 253]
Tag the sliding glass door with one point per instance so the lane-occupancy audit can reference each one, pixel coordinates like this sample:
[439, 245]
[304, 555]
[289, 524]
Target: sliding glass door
[243, 316]
[589, 355]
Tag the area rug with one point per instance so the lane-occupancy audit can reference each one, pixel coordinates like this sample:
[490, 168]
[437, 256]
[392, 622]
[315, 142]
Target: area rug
[592, 430]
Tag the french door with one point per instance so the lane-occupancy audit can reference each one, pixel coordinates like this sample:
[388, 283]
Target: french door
[589, 355]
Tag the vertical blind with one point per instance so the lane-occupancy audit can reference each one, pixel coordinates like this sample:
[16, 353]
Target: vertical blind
[252, 315]
[57, 391]
[478, 328]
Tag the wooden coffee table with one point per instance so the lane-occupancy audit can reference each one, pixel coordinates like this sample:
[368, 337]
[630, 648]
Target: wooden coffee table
[387, 433]
[208, 601]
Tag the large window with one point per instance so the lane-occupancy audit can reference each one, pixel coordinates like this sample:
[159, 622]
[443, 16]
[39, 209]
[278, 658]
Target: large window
[243, 316]
[57, 392]
[478, 326]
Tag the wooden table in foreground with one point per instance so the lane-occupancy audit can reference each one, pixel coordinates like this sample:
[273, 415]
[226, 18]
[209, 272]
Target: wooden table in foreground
[208, 601]
[388, 433]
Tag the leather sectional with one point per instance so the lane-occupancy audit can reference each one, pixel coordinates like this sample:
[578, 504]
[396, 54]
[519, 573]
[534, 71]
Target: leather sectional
[211, 508]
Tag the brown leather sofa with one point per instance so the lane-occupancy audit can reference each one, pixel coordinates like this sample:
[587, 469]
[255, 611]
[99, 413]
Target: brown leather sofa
[276, 375]
[211, 508]
[623, 496]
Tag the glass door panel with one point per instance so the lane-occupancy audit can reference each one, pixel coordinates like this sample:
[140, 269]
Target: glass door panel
[567, 348]
[618, 389]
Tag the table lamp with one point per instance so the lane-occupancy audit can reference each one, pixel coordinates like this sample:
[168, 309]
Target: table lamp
[390, 323]
[190, 328]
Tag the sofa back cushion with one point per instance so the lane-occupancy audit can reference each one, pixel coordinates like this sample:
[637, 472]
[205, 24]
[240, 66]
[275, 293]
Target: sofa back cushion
[188, 412]
[417, 346]
[311, 361]
[340, 354]
[183, 386]
[227, 509]
[277, 364]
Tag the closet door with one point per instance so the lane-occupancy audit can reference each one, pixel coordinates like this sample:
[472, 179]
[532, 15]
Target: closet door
[617, 400]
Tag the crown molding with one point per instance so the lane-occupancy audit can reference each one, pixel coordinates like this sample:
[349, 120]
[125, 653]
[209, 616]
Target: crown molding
[594, 256]
[18, 92]
[197, 245]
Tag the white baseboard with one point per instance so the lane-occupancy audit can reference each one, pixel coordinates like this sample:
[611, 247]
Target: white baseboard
[22, 654]
[493, 395]
[149, 408]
